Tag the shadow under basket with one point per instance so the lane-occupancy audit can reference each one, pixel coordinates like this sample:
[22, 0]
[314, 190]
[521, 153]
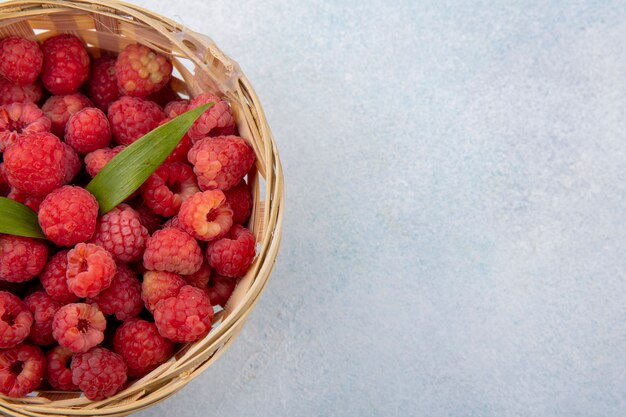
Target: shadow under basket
[199, 66]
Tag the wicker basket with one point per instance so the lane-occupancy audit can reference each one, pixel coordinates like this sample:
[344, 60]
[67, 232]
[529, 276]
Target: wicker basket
[198, 66]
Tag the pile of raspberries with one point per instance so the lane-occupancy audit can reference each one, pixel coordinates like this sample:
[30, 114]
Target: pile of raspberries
[108, 298]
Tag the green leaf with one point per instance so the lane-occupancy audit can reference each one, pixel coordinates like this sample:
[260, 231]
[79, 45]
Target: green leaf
[18, 220]
[129, 169]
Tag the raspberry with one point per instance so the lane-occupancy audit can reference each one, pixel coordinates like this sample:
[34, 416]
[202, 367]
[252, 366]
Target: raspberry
[32, 202]
[158, 286]
[59, 374]
[173, 223]
[218, 120]
[121, 233]
[174, 251]
[232, 255]
[5, 188]
[90, 269]
[96, 160]
[21, 258]
[43, 308]
[15, 320]
[179, 154]
[186, 317]
[19, 119]
[201, 278]
[240, 201]
[21, 369]
[13, 93]
[66, 64]
[99, 373]
[20, 60]
[176, 108]
[68, 215]
[102, 83]
[54, 281]
[79, 326]
[221, 162]
[168, 188]
[141, 346]
[123, 297]
[88, 130]
[73, 164]
[59, 109]
[149, 219]
[206, 215]
[141, 71]
[132, 117]
[220, 289]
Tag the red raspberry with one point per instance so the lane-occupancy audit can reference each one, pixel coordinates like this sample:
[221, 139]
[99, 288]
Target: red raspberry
[186, 317]
[240, 201]
[121, 233]
[179, 154]
[90, 269]
[164, 95]
[54, 281]
[218, 120]
[68, 215]
[13, 93]
[132, 117]
[201, 278]
[43, 308]
[15, 320]
[123, 297]
[88, 130]
[141, 346]
[168, 187]
[206, 215]
[21, 258]
[158, 286]
[19, 119]
[102, 83]
[174, 251]
[149, 219]
[221, 162]
[96, 160]
[220, 289]
[59, 109]
[173, 223]
[232, 255]
[79, 326]
[21, 369]
[141, 71]
[176, 108]
[59, 374]
[99, 373]
[20, 60]
[28, 200]
[66, 64]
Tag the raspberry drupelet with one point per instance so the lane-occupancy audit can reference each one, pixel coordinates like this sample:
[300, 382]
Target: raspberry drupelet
[218, 120]
[59, 109]
[102, 84]
[206, 215]
[220, 289]
[123, 297]
[88, 130]
[99, 373]
[13, 93]
[239, 199]
[132, 117]
[168, 188]
[20, 60]
[90, 269]
[21, 369]
[21, 258]
[157, 286]
[121, 233]
[141, 71]
[58, 372]
[96, 160]
[233, 254]
[15, 320]
[172, 250]
[19, 119]
[43, 308]
[141, 346]
[186, 317]
[54, 281]
[79, 327]
[66, 64]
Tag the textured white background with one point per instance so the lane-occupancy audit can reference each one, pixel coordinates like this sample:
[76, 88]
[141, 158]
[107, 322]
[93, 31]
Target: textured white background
[455, 225]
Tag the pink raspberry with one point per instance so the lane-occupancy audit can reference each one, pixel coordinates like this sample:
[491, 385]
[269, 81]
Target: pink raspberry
[28, 200]
[218, 120]
[21, 369]
[21, 258]
[176, 108]
[168, 188]
[240, 201]
[15, 320]
[123, 297]
[59, 374]
[221, 162]
[59, 109]
[20, 60]
[79, 326]
[66, 64]
[201, 278]
[19, 119]
[102, 84]
[43, 308]
[149, 219]
[68, 215]
[73, 164]
[90, 269]
[186, 317]
[13, 93]
[121, 233]
[173, 251]
[54, 281]
[99, 373]
[220, 289]
[206, 215]
[158, 286]
[132, 117]
[141, 346]
[141, 71]
[232, 255]
[88, 130]
[96, 160]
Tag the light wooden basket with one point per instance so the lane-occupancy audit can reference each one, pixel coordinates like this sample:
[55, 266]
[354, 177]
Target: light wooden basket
[198, 66]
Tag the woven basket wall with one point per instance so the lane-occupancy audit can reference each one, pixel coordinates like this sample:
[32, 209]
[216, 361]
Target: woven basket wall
[198, 66]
